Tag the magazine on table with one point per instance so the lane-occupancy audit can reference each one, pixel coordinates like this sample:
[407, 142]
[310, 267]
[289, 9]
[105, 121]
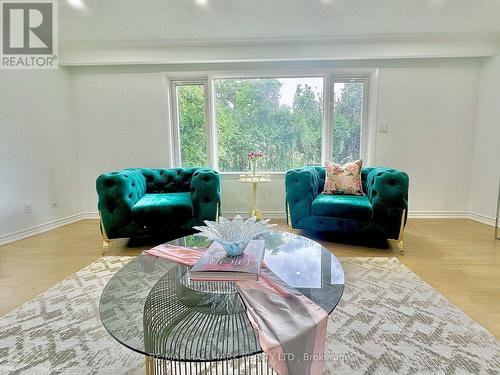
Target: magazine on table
[216, 265]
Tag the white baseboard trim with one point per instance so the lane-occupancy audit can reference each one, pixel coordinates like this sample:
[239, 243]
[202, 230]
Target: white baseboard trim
[482, 218]
[41, 228]
[452, 215]
[89, 215]
[438, 215]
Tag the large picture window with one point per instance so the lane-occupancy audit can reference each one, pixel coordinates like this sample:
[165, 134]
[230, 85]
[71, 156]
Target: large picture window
[281, 117]
[294, 120]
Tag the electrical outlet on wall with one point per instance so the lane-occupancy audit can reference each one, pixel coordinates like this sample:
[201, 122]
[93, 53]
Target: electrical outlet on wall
[384, 128]
[28, 209]
[53, 201]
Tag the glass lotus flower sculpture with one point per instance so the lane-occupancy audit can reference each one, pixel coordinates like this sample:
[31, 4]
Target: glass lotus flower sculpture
[235, 234]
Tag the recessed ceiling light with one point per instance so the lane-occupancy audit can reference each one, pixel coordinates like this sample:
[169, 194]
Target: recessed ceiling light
[201, 2]
[76, 4]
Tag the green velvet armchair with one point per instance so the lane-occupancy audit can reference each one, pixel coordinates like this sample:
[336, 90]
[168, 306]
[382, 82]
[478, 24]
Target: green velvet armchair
[156, 202]
[381, 212]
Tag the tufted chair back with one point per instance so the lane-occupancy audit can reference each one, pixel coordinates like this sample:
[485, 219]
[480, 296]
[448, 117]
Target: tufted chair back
[163, 180]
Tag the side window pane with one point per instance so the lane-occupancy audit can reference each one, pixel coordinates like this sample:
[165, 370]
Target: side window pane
[191, 117]
[281, 117]
[348, 117]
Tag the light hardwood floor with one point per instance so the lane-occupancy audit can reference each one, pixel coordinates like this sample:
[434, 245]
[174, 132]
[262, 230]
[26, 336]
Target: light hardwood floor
[459, 258]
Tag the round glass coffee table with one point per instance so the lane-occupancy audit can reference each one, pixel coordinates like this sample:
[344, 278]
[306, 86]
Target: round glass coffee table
[187, 327]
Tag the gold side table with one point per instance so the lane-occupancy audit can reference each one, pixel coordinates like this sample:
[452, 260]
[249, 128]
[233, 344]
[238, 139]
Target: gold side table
[255, 180]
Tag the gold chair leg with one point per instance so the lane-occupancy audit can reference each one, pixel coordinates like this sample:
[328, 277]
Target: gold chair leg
[105, 240]
[400, 243]
[105, 245]
[288, 216]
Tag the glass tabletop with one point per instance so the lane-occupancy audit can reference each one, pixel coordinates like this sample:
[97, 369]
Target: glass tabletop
[152, 307]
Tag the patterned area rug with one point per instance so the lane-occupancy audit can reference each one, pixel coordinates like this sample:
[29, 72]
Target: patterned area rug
[389, 321]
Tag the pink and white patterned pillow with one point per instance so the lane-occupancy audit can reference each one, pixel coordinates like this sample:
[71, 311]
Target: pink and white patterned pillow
[343, 179]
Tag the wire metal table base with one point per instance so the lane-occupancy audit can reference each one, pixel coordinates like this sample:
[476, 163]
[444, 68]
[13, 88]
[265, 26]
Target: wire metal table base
[199, 328]
[256, 364]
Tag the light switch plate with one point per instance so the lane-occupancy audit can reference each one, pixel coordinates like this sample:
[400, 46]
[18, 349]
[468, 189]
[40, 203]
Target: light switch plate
[28, 208]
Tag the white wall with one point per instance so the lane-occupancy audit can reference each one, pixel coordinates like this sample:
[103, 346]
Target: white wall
[431, 114]
[429, 105]
[37, 149]
[121, 124]
[486, 162]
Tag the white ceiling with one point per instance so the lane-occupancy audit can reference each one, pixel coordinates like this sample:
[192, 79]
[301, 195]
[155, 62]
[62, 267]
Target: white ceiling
[180, 20]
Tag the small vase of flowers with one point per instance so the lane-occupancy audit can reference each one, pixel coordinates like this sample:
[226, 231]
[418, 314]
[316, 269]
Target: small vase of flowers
[253, 156]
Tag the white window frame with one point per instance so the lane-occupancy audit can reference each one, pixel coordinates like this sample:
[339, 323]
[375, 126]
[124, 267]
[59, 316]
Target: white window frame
[175, 125]
[363, 147]
[369, 76]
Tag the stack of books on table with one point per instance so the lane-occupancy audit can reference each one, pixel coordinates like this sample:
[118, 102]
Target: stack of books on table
[216, 265]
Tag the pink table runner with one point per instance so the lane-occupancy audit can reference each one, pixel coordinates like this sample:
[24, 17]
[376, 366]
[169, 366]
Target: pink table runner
[291, 327]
